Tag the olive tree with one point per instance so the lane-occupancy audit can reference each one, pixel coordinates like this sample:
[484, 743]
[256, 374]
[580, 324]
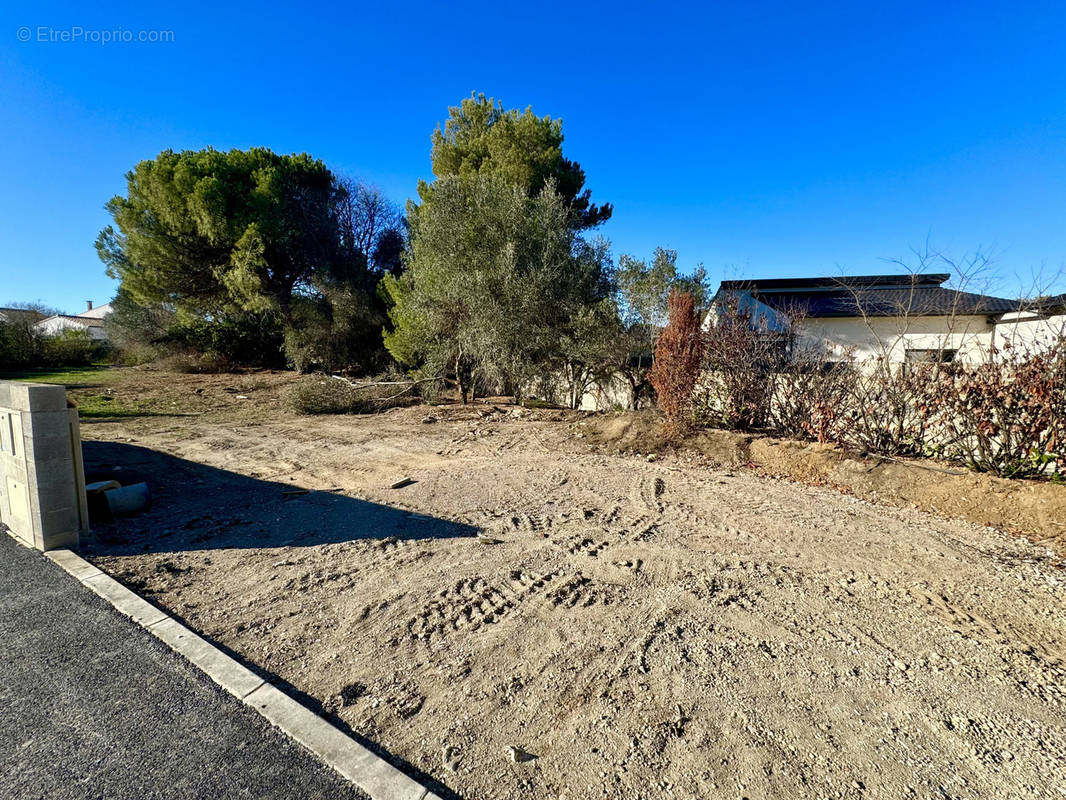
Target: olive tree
[494, 279]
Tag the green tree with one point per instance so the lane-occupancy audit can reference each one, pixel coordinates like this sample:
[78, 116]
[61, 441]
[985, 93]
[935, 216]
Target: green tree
[221, 253]
[481, 138]
[590, 352]
[336, 329]
[494, 280]
[209, 231]
[643, 289]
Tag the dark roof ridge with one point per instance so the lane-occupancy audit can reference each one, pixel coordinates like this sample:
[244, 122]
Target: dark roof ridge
[87, 320]
[845, 281]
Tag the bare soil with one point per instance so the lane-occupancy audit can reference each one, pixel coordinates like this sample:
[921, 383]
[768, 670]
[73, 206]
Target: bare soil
[1035, 509]
[636, 628]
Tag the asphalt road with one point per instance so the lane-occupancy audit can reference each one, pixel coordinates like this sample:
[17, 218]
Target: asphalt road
[92, 706]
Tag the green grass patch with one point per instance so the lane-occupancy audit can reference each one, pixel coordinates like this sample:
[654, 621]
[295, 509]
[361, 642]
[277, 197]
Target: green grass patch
[100, 406]
[72, 377]
[83, 386]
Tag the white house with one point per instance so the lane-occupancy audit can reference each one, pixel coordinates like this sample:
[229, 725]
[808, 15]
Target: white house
[1040, 323]
[900, 318]
[91, 320]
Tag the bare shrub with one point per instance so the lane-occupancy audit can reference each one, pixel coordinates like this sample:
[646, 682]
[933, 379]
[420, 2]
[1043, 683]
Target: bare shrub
[904, 386]
[744, 356]
[1007, 416]
[762, 377]
[881, 410]
[811, 394]
[678, 354]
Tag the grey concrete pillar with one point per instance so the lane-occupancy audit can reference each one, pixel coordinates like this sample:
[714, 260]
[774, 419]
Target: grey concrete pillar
[42, 479]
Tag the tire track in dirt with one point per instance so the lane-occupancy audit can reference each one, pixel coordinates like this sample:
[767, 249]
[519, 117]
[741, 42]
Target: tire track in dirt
[471, 603]
[694, 633]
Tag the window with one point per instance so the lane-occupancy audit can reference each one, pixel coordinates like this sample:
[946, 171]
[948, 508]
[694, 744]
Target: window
[933, 356]
[911, 358]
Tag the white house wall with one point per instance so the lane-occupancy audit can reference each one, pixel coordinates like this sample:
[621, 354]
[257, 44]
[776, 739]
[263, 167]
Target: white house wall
[56, 325]
[613, 394]
[1024, 332]
[99, 312]
[761, 315]
[869, 339]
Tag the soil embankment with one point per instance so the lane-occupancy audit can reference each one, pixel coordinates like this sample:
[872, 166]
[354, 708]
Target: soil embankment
[1034, 509]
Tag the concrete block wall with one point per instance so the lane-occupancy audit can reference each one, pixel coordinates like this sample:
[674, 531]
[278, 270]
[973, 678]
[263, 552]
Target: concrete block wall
[42, 479]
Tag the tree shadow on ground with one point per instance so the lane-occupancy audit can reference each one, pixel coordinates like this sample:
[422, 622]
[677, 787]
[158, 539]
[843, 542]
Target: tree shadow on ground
[197, 507]
[89, 416]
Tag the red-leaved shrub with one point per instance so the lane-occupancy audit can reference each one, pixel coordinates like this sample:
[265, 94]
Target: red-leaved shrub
[1006, 416]
[678, 354]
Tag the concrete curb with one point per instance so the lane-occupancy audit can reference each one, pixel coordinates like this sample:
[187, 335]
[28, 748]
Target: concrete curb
[375, 776]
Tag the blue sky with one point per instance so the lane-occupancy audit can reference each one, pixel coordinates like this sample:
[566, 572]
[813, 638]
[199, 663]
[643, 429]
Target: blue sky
[762, 139]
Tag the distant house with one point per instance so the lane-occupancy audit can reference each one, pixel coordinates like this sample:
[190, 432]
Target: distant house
[91, 321]
[1035, 324]
[10, 314]
[900, 318]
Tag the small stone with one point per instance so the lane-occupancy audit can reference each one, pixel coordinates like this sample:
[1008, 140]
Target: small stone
[518, 755]
[652, 457]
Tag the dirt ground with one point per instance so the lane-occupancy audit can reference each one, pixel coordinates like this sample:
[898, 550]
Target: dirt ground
[636, 628]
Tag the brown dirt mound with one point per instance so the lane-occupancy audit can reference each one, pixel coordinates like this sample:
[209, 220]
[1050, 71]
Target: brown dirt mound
[1034, 509]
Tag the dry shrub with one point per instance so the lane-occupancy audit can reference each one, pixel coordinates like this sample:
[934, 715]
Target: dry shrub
[744, 358]
[327, 395]
[135, 354]
[1007, 416]
[811, 396]
[763, 379]
[678, 353]
[881, 409]
[195, 363]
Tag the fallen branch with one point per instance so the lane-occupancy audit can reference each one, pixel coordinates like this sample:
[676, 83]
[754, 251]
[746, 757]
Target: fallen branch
[384, 383]
[408, 386]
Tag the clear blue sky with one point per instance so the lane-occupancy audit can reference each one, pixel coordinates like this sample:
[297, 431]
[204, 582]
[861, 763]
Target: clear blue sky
[761, 139]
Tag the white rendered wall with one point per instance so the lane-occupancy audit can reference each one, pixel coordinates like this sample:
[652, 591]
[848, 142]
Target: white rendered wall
[891, 337]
